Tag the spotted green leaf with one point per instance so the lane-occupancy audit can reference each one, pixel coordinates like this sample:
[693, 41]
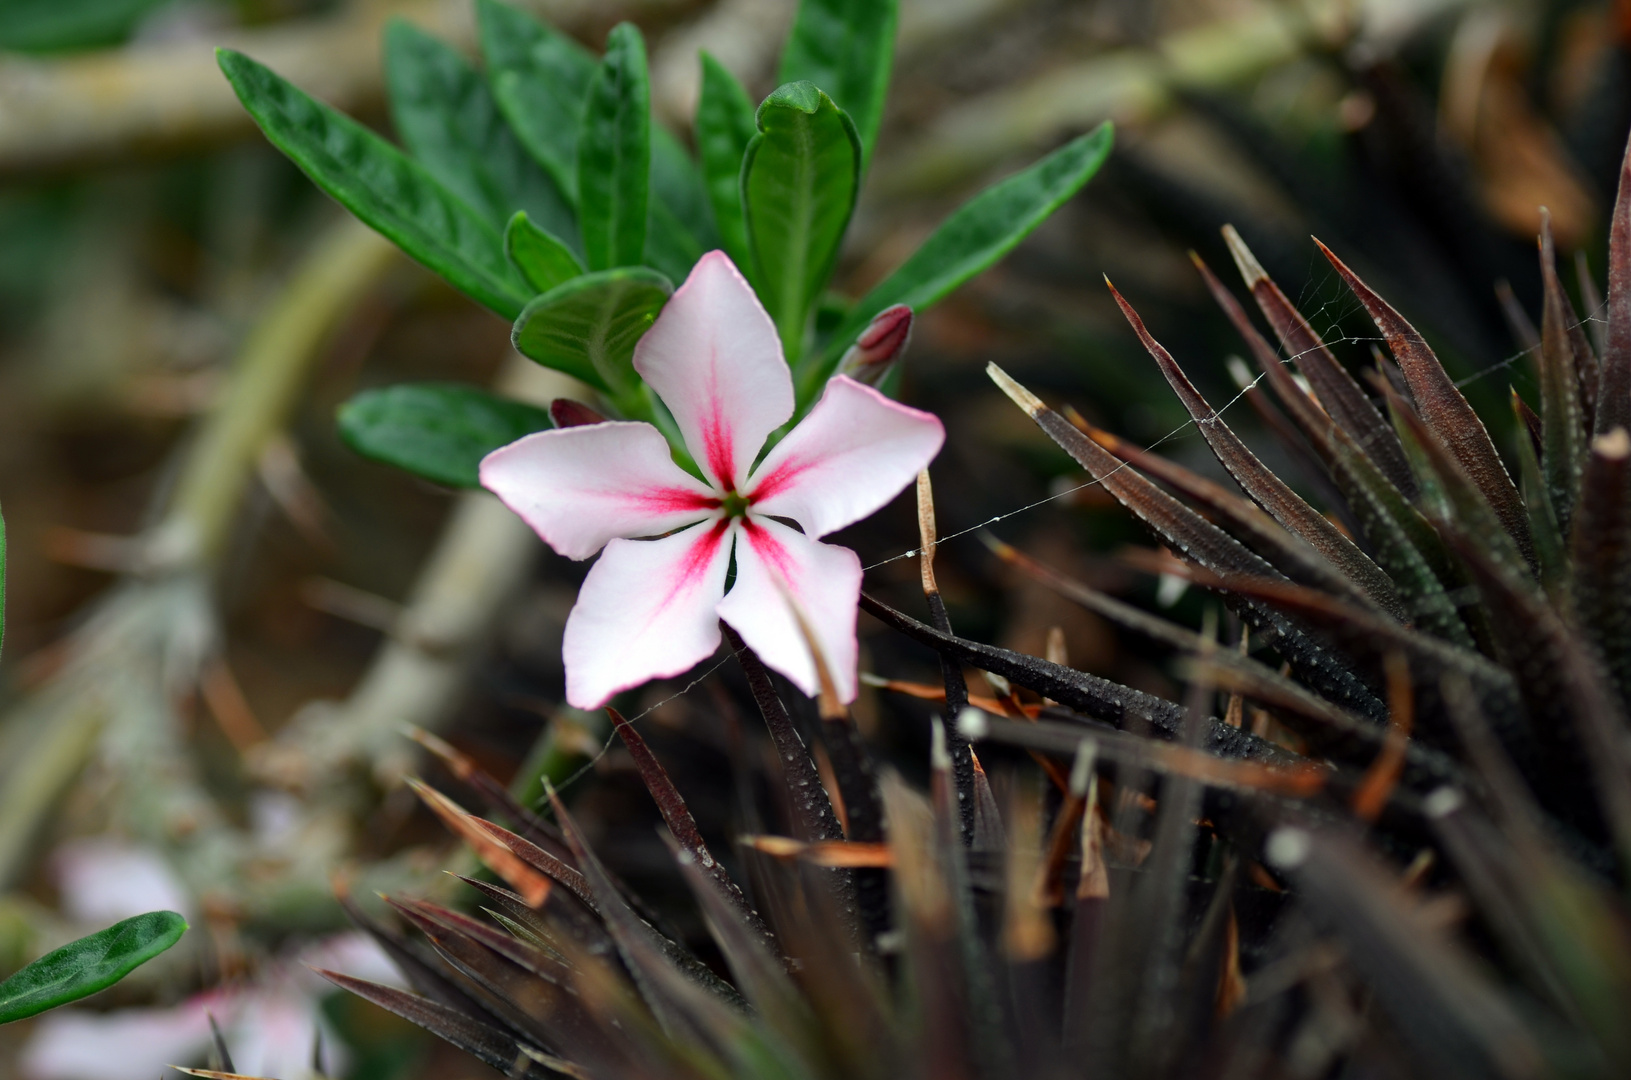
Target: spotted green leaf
[380, 184]
[725, 125]
[539, 78]
[81, 968]
[588, 327]
[438, 431]
[544, 260]
[800, 177]
[447, 117]
[614, 154]
[977, 234]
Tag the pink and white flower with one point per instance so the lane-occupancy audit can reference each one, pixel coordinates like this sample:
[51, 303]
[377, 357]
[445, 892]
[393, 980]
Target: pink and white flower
[651, 607]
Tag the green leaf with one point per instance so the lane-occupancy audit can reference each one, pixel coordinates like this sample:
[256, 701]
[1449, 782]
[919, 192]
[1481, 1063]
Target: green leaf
[378, 183]
[846, 47]
[439, 431]
[51, 25]
[614, 154]
[81, 968]
[2, 581]
[542, 259]
[448, 119]
[800, 176]
[980, 232]
[725, 125]
[540, 78]
[588, 327]
[679, 227]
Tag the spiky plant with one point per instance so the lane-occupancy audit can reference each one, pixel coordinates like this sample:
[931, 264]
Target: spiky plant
[1400, 849]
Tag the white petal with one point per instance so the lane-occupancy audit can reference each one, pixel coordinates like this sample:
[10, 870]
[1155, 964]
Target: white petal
[125, 1044]
[580, 487]
[714, 358]
[854, 452]
[824, 579]
[646, 610]
[102, 880]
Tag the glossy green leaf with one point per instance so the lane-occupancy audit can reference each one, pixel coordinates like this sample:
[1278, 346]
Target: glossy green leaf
[439, 431]
[679, 225]
[588, 327]
[448, 119]
[540, 78]
[725, 125]
[846, 47]
[614, 154]
[81, 968]
[800, 176]
[980, 232]
[378, 183]
[542, 258]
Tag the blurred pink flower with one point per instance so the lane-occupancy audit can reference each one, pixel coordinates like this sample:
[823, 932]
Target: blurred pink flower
[269, 1024]
[651, 608]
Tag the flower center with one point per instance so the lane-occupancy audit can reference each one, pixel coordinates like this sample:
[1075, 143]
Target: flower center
[734, 505]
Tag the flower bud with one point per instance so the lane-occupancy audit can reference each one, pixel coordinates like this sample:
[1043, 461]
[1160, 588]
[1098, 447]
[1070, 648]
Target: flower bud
[568, 413]
[878, 346]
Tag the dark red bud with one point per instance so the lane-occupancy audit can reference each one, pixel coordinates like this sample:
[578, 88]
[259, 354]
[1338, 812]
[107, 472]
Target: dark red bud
[568, 413]
[879, 345]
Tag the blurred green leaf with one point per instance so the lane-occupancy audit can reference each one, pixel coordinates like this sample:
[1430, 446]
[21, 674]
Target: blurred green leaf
[540, 79]
[378, 183]
[846, 47]
[977, 234]
[53, 25]
[800, 176]
[588, 327]
[448, 119]
[614, 154]
[725, 125]
[2, 581]
[439, 431]
[81, 968]
[679, 226]
[542, 259]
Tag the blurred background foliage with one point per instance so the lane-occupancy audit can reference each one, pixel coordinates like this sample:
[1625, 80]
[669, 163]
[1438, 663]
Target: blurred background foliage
[221, 619]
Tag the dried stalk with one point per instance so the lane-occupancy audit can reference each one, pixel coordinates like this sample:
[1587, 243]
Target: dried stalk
[143, 644]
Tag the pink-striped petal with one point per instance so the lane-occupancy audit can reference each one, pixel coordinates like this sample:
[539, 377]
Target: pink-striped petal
[773, 563]
[714, 358]
[580, 487]
[854, 452]
[646, 610]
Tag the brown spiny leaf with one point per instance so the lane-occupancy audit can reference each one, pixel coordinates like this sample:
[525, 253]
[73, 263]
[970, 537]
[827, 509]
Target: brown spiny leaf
[1339, 395]
[1444, 409]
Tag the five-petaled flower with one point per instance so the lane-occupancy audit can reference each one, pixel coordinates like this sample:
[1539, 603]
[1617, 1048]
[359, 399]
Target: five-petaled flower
[651, 607]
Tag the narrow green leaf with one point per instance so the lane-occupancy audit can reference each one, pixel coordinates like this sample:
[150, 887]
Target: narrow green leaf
[448, 119]
[614, 154]
[800, 177]
[725, 125]
[540, 78]
[679, 225]
[378, 183]
[980, 232]
[588, 327]
[439, 431]
[542, 259]
[846, 47]
[81, 968]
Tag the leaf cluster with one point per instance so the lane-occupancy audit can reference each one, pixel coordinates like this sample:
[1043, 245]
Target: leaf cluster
[540, 186]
